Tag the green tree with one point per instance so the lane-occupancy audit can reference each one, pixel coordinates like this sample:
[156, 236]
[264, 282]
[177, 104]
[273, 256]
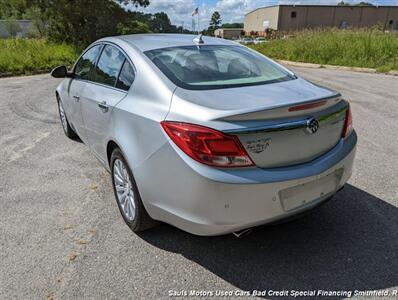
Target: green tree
[21, 9]
[81, 22]
[160, 22]
[232, 25]
[215, 21]
[12, 9]
[40, 25]
[342, 3]
[133, 27]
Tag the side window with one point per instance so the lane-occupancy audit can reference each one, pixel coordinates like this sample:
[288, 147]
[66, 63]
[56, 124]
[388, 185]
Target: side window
[86, 63]
[126, 76]
[108, 66]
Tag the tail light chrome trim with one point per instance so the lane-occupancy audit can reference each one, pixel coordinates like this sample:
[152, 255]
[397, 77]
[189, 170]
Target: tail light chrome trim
[295, 124]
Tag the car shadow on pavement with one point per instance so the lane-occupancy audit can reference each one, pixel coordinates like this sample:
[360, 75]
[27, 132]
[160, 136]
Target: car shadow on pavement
[350, 243]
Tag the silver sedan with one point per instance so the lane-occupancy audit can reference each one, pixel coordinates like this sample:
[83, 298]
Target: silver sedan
[205, 134]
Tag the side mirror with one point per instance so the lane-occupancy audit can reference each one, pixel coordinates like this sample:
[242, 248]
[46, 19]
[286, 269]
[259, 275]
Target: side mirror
[60, 72]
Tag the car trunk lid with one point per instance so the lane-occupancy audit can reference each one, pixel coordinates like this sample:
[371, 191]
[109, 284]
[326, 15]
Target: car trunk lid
[279, 124]
[290, 141]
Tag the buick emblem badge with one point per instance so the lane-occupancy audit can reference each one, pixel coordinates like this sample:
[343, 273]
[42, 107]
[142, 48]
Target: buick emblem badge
[312, 125]
[259, 145]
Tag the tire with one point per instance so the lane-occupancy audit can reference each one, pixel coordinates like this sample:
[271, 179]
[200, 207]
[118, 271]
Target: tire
[64, 121]
[124, 184]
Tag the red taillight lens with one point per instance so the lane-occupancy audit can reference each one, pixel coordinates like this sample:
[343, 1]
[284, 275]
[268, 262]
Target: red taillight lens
[348, 123]
[206, 145]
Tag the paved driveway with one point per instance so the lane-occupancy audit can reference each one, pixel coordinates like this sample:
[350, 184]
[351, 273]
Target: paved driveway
[61, 235]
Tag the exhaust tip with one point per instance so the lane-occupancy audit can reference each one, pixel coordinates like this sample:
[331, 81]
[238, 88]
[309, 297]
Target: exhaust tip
[242, 233]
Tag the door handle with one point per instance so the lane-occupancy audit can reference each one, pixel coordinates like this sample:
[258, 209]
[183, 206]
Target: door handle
[77, 98]
[104, 107]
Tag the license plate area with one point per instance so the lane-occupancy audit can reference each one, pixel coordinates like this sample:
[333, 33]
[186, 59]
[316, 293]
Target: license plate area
[300, 195]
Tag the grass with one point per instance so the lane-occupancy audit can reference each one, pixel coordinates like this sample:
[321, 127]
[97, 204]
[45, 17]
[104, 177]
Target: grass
[368, 48]
[28, 56]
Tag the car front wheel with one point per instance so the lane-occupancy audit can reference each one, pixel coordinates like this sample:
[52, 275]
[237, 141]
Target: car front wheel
[64, 120]
[127, 196]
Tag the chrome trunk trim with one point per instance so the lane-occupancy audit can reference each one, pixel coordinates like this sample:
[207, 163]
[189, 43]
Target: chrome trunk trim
[295, 124]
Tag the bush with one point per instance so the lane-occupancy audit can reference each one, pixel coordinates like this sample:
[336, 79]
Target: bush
[371, 48]
[23, 56]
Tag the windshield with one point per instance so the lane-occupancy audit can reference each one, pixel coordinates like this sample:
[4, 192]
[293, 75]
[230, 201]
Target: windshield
[216, 66]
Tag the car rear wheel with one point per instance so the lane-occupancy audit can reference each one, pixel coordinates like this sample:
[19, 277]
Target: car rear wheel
[64, 120]
[127, 196]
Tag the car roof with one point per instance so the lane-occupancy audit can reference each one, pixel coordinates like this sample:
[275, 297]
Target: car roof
[145, 42]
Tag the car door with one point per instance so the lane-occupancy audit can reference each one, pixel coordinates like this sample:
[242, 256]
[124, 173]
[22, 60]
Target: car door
[83, 68]
[112, 78]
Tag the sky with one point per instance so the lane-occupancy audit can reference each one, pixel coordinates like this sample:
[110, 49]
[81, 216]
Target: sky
[231, 11]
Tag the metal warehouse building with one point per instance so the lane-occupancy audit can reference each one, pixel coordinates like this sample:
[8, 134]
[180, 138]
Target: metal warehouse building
[295, 17]
[24, 25]
[228, 33]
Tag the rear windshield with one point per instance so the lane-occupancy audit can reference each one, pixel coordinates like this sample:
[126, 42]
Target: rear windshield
[215, 66]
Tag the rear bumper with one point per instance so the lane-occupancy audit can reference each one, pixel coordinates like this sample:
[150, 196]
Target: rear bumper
[208, 201]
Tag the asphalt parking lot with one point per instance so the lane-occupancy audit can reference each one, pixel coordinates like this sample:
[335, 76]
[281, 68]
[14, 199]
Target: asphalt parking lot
[61, 235]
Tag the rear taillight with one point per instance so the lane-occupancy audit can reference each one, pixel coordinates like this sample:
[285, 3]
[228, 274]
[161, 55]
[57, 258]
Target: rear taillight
[348, 123]
[207, 146]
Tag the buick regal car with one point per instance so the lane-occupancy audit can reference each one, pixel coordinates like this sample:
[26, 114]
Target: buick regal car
[205, 134]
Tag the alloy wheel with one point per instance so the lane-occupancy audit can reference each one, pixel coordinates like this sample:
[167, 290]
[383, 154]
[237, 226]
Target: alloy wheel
[124, 189]
[62, 116]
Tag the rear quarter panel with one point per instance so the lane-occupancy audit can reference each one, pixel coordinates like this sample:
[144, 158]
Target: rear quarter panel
[136, 119]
